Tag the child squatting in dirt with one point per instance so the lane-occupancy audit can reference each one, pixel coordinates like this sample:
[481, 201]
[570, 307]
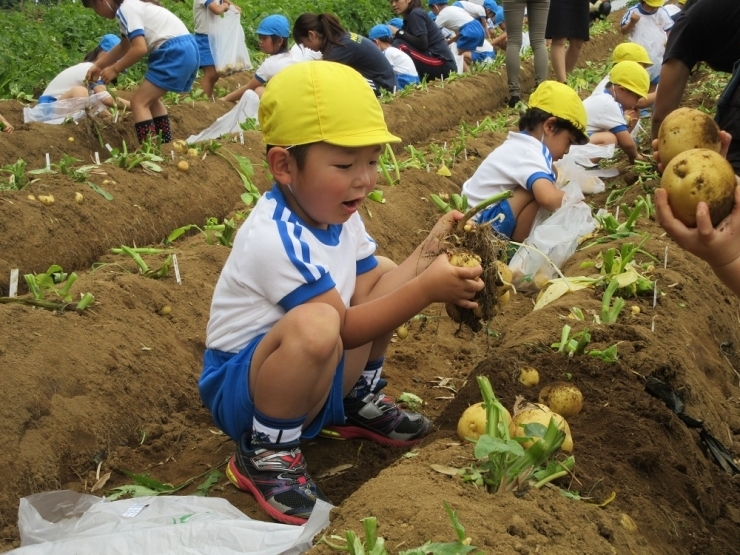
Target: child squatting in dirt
[303, 310]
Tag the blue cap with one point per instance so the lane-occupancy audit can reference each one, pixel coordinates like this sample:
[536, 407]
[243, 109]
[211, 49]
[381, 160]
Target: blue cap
[490, 5]
[396, 22]
[437, 2]
[433, 16]
[499, 19]
[274, 25]
[380, 32]
[108, 42]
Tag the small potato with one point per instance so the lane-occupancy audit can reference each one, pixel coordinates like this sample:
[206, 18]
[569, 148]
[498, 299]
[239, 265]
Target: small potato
[506, 276]
[31, 197]
[402, 332]
[505, 298]
[464, 260]
[684, 129]
[562, 398]
[472, 423]
[79, 198]
[183, 166]
[165, 310]
[699, 175]
[180, 146]
[539, 414]
[193, 152]
[528, 376]
[46, 200]
[71, 139]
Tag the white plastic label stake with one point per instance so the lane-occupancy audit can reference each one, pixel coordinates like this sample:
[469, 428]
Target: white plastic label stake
[48, 161]
[115, 119]
[616, 214]
[172, 153]
[13, 289]
[110, 148]
[177, 269]
[134, 510]
[241, 137]
[665, 259]
[655, 293]
[97, 158]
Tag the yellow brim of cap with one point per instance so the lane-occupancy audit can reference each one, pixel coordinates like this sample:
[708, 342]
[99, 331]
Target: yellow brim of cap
[378, 137]
[583, 139]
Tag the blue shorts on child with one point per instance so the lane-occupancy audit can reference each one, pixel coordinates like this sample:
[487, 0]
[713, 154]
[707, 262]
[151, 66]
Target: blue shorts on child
[483, 57]
[404, 80]
[224, 389]
[501, 217]
[204, 50]
[174, 65]
[471, 36]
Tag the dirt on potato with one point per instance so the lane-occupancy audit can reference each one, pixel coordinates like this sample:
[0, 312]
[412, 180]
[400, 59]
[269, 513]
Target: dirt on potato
[117, 385]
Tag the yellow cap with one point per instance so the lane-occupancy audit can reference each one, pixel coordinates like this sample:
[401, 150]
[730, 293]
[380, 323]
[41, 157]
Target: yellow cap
[655, 3]
[631, 52]
[563, 102]
[320, 101]
[681, 1]
[632, 76]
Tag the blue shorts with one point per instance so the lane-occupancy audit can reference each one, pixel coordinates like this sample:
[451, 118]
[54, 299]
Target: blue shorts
[45, 99]
[655, 81]
[224, 389]
[204, 50]
[174, 65]
[404, 80]
[471, 36]
[483, 57]
[504, 225]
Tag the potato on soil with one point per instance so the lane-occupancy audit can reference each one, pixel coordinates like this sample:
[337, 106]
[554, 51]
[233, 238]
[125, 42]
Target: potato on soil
[472, 423]
[79, 198]
[528, 376]
[699, 175]
[180, 146]
[402, 332]
[46, 200]
[183, 166]
[685, 129]
[539, 414]
[562, 398]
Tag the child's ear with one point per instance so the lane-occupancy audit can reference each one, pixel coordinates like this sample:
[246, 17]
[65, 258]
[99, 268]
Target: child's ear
[550, 125]
[278, 159]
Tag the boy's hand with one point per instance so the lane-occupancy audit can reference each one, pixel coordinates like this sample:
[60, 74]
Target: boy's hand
[433, 245]
[93, 74]
[718, 246]
[108, 74]
[443, 282]
[634, 16]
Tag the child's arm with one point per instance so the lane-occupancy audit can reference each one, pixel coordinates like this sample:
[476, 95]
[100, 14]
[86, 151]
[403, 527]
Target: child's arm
[547, 195]
[134, 53]
[117, 52]
[7, 128]
[218, 9]
[484, 22]
[109, 100]
[627, 144]
[626, 28]
[235, 96]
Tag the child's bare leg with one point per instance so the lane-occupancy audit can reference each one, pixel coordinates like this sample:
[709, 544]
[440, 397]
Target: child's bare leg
[75, 92]
[603, 138]
[150, 114]
[210, 76]
[524, 222]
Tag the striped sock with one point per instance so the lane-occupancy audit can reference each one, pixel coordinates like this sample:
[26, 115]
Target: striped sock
[368, 380]
[266, 429]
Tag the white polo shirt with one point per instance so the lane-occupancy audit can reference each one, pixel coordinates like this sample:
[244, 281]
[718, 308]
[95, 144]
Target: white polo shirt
[453, 18]
[155, 23]
[604, 113]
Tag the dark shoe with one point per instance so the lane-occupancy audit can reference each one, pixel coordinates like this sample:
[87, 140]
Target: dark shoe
[277, 478]
[377, 418]
[513, 101]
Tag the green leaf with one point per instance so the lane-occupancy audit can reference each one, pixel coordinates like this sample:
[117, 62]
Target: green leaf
[102, 192]
[486, 445]
[211, 480]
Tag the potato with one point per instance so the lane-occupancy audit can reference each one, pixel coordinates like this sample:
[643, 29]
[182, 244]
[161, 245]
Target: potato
[183, 166]
[472, 423]
[699, 175]
[79, 198]
[539, 414]
[402, 332]
[528, 376]
[180, 146]
[46, 200]
[505, 298]
[504, 273]
[685, 129]
[193, 152]
[562, 398]
[464, 260]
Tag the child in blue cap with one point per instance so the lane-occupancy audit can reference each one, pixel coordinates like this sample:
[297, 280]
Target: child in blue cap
[403, 65]
[468, 32]
[203, 10]
[273, 33]
[72, 82]
[148, 29]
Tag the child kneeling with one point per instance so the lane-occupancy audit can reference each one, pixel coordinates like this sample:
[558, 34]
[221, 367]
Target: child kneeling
[555, 120]
[303, 311]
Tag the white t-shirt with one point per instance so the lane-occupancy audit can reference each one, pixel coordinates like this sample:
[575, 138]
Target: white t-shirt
[604, 114]
[401, 62]
[201, 13]
[278, 263]
[650, 32]
[453, 18]
[475, 10]
[273, 65]
[485, 47]
[154, 23]
[71, 77]
[303, 54]
[672, 9]
[518, 162]
[599, 88]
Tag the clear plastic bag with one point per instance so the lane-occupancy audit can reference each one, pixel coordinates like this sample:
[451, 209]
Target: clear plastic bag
[575, 165]
[71, 523]
[64, 110]
[230, 122]
[226, 39]
[555, 235]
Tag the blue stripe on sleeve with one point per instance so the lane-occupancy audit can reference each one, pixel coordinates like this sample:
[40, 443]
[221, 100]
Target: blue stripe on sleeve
[366, 264]
[539, 175]
[302, 260]
[618, 129]
[122, 19]
[306, 292]
[135, 33]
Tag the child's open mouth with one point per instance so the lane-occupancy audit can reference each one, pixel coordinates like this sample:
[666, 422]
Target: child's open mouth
[351, 205]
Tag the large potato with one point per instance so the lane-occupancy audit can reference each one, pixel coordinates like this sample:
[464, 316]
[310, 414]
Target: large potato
[472, 423]
[684, 129]
[539, 414]
[563, 398]
[699, 175]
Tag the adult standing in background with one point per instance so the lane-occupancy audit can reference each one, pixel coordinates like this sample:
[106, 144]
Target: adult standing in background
[567, 25]
[514, 18]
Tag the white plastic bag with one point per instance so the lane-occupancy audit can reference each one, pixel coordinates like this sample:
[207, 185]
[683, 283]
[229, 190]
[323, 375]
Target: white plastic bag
[226, 39]
[230, 122]
[573, 167]
[554, 235]
[70, 523]
[63, 110]
[459, 59]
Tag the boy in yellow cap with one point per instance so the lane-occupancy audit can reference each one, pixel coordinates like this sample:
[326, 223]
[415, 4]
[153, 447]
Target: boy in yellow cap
[628, 83]
[554, 120]
[630, 52]
[303, 310]
[647, 23]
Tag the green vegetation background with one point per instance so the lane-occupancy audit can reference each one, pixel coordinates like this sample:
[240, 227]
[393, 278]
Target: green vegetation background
[40, 40]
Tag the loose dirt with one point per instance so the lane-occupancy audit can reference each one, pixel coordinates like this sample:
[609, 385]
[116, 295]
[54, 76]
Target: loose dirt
[118, 384]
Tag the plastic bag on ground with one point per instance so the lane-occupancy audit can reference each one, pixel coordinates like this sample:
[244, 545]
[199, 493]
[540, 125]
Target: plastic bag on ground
[574, 167]
[230, 122]
[71, 523]
[556, 235]
[459, 59]
[58, 112]
[226, 39]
